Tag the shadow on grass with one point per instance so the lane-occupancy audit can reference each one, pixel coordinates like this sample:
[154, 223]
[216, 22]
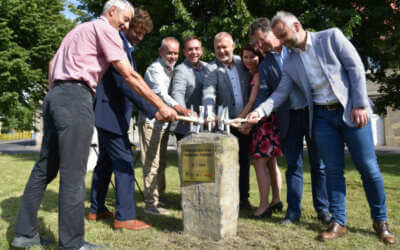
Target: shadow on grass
[162, 222]
[9, 215]
[25, 157]
[388, 164]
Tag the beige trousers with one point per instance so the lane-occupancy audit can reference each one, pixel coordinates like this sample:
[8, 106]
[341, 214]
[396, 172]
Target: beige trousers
[153, 149]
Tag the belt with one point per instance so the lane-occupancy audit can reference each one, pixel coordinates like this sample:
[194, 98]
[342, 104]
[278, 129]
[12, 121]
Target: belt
[300, 109]
[328, 107]
[78, 83]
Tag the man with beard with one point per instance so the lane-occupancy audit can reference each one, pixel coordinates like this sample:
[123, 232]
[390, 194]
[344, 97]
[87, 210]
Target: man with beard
[114, 106]
[328, 70]
[293, 125]
[227, 84]
[187, 81]
[154, 134]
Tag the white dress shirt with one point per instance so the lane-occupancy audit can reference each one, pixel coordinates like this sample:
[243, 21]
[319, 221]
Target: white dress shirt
[158, 76]
[321, 90]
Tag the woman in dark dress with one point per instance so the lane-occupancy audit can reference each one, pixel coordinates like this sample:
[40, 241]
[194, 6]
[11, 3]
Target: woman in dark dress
[265, 145]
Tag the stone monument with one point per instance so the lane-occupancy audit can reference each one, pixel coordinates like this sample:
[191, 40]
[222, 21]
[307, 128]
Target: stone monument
[209, 171]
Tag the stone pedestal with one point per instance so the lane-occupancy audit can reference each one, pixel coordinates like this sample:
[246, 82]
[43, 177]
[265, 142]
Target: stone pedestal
[211, 205]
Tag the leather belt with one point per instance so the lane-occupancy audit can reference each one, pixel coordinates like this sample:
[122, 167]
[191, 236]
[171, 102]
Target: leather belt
[79, 83]
[300, 109]
[328, 107]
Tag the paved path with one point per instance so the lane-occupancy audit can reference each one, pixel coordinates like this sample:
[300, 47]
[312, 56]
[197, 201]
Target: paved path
[28, 146]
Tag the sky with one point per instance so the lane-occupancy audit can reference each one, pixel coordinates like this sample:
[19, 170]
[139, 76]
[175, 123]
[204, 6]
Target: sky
[67, 12]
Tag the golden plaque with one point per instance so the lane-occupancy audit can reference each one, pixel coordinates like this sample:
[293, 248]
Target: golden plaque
[198, 162]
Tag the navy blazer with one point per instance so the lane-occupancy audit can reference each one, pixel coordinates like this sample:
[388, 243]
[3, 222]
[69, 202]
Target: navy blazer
[270, 75]
[115, 101]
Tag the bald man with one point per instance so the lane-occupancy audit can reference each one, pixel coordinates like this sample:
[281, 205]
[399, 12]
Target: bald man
[226, 84]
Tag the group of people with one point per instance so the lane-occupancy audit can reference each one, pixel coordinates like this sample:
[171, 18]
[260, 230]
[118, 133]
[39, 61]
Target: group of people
[289, 83]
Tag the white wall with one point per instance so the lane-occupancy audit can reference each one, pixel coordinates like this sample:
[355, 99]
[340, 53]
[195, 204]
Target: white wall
[378, 130]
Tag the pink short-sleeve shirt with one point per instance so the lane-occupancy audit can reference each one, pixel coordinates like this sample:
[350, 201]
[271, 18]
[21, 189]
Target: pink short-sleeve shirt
[87, 51]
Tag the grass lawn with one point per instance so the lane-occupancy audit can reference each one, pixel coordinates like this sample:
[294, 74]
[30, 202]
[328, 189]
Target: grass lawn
[167, 231]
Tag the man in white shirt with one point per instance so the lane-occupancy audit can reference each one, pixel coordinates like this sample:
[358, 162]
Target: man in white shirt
[154, 134]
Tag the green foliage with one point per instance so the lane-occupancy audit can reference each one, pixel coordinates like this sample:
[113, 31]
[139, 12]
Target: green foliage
[182, 18]
[19, 116]
[30, 33]
[371, 25]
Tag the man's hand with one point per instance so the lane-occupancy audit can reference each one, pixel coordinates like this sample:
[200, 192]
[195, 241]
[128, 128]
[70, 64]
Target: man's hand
[166, 114]
[245, 128]
[253, 117]
[159, 117]
[359, 116]
[194, 114]
[181, 110]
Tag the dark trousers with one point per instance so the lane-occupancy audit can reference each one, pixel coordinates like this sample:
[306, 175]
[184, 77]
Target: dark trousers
[115, 156]
[293, 151]
[68, 126]
[244, 163]
[179, 136]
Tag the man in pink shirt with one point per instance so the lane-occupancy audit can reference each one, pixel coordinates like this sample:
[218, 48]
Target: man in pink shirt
[84, 55]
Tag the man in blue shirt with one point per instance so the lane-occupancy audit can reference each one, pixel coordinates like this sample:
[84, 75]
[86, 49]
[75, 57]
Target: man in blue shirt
[114, 105]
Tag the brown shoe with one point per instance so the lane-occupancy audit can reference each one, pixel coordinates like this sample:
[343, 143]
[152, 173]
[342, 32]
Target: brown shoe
[334, 231]
[131, 224]
[98, 216]
[383, 231]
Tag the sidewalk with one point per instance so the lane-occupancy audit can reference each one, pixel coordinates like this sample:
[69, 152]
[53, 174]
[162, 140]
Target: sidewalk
[28, 146]
[19, 147]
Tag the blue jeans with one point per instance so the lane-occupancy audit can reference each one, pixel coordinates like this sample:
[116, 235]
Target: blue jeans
[331, 134]
[293, 151]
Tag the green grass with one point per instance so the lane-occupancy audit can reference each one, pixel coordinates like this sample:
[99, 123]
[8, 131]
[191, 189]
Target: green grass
[167, 231]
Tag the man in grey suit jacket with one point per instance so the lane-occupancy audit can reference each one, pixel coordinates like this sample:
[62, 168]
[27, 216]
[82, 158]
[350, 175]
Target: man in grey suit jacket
[328, 70]
[293, 125]
[187, 81]
[227, 84]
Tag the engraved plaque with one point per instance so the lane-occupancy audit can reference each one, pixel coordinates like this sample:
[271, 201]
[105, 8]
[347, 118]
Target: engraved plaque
[198, 162]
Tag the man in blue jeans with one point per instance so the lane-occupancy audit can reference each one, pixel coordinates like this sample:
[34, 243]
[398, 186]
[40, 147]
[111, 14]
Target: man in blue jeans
[293, 124]
[329, 72]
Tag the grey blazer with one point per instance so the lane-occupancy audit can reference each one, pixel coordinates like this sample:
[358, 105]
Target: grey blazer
[217, 88]
[342, 67]
[186, 89]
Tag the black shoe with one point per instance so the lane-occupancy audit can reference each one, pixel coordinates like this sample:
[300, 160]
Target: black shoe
[26, 242]
[245, 204]
[277, 207]
[266, 214]
[324, 217]
[288, 221]
[88, 246]
[163, 201]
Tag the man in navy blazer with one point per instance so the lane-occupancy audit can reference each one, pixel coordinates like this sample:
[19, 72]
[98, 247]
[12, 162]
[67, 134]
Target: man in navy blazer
[329, 72]
[114, 105]
[293, 125]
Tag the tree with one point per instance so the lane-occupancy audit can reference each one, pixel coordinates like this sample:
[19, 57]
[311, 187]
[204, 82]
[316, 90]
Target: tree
[181, 18]
[30, 33]
[371, 25]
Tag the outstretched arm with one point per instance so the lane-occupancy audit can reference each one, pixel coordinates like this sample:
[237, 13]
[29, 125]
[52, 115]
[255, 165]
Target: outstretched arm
[136, 82]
